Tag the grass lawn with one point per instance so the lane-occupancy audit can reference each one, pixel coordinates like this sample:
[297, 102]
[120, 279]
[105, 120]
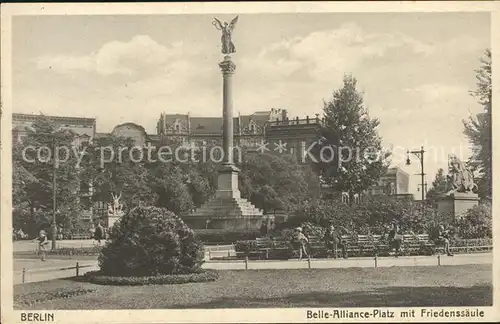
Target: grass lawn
[468, 285]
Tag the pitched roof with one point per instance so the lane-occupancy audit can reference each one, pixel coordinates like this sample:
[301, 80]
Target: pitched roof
[207, 125]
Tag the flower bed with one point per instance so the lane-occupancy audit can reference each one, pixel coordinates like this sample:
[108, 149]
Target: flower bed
[29, 299]
[98, 278]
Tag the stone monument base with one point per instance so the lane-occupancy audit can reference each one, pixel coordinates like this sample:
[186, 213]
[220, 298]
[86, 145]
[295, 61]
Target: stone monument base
[227, 211]
[456, 205]
[112, 220]
[226, 214]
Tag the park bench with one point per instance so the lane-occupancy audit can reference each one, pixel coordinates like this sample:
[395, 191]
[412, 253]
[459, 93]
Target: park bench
[254, 249]
[359, 245]
[410, 245]
[467, 245]
[281, 249]
[263, 246]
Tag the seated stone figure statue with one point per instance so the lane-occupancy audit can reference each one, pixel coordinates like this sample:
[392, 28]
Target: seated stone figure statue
[460, 178]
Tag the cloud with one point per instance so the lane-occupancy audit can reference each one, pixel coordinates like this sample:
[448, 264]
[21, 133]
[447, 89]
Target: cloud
[139, 54]
[319, 54]
[434, 92]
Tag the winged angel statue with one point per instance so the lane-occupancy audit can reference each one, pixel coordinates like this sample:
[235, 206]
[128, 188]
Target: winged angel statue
[116, 208]
[227, 31]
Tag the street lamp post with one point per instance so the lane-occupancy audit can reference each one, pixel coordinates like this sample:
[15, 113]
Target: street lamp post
[54, 188]
[420, 155]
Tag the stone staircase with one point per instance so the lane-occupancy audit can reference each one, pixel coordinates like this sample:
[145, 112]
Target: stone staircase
[220, 208]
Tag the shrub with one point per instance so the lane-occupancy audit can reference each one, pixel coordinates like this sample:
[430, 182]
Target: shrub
[151, 241]
[245, 246]
[426, 249]
[369, 216]
[98, 277]
[476, 223]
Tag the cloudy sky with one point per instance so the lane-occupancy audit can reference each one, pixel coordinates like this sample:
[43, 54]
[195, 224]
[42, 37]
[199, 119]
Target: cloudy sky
[414, 69]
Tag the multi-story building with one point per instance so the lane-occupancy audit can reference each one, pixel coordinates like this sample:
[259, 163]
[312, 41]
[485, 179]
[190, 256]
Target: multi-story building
[271, 126]
[85, 128]
[394, 183]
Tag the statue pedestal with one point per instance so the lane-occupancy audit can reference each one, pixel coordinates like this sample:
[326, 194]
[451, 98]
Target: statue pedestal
[456, 205]
[112, 219]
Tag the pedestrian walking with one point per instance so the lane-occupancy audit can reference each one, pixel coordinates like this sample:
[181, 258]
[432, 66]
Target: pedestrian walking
[43, 245]
[299, 241]
[99, 233]
[263, 228]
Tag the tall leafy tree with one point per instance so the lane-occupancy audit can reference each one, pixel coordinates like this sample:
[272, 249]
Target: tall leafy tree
[349, 155]
[479, 130]
[35, 165]
[274, 181]
[171, 187]
[112, 165]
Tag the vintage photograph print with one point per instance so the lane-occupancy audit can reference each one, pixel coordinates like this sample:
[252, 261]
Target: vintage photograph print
[317, 162]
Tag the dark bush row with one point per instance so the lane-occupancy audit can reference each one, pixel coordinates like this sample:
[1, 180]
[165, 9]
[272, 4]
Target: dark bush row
[98, 278]
[94, 250]
[227, 237]
[29, 299]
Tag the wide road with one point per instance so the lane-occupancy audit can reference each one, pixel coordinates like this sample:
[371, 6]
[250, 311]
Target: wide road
[37, 270]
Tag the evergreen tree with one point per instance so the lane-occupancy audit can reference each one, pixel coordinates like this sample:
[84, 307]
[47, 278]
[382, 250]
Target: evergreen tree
[478, 129]
[439, 185]
[349, 154]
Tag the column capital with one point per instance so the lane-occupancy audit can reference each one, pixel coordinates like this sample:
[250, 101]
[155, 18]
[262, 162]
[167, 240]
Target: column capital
[227, 66]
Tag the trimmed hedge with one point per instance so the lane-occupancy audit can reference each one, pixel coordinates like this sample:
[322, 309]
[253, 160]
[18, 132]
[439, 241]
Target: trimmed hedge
[98, 278]
[29, 299]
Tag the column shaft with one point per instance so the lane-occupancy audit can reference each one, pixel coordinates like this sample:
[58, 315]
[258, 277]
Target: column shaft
[227, 106]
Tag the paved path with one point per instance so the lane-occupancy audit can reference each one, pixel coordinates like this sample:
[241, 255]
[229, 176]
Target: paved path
[42, 271]
[22, 246]
[36, 270]
[459, 259]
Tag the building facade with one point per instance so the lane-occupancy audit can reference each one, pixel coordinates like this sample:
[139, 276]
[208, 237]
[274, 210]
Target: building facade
[394, 183]
[85, 128]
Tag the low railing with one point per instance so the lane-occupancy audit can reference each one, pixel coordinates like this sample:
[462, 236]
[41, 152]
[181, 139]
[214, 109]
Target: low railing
[296, 121]
[77, 269]
[312, 263]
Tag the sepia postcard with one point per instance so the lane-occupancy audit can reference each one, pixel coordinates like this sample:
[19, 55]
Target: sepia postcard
[279, 162]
